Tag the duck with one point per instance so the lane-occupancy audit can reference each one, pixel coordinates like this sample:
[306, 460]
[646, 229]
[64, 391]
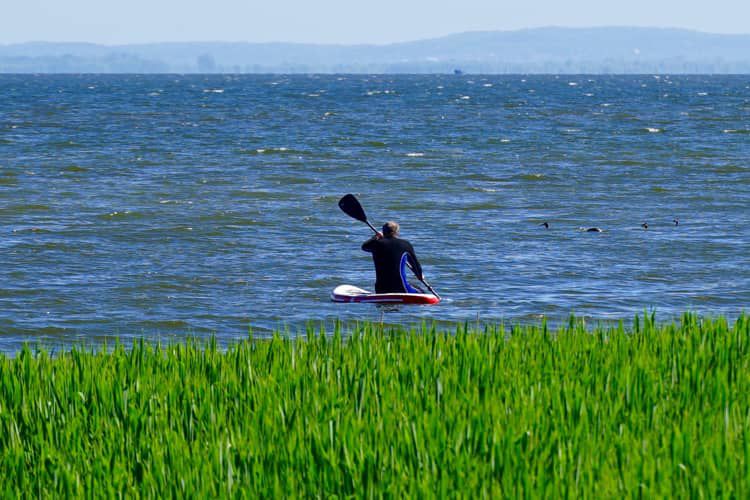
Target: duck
[644, 225]
[545, 224]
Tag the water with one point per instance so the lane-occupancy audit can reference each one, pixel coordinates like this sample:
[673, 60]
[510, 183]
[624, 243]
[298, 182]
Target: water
[187, 205]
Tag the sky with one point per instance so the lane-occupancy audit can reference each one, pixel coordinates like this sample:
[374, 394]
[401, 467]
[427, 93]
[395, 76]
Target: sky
[341, 21]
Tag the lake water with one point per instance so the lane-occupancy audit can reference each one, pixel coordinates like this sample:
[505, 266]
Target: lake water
[170, 205]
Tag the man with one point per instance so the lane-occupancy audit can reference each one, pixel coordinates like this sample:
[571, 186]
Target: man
[391, 255]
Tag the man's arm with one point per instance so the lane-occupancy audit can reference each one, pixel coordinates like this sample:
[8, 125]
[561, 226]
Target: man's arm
[415, 266]
[369, 245]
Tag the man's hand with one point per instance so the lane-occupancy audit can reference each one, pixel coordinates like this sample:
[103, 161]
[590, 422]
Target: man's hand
[379, 235]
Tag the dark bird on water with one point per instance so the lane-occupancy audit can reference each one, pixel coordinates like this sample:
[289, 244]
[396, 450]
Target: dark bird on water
[593, 230]
[644, 225]
[676, 222]
[545, 224]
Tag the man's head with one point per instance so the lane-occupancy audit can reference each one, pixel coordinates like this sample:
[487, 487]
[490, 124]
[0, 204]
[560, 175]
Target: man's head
[390, 229]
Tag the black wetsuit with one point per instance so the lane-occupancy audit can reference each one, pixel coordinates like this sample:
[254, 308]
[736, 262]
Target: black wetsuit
[390, 256]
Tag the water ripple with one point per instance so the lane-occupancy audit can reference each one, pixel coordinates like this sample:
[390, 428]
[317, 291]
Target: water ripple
[138, 205]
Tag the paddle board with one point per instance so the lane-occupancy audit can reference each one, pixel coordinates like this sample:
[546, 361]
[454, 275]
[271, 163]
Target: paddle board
[349, 293]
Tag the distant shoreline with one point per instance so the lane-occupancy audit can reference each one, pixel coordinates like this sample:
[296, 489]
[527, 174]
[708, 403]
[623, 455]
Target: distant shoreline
[619, 50]
[313, 74]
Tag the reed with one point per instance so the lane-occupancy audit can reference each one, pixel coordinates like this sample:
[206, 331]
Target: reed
[372, 410]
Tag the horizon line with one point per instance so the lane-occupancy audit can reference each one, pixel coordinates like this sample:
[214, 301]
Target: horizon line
[385, 44]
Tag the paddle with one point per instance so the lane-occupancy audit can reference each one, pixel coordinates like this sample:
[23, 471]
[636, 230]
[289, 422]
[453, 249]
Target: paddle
[351, 206]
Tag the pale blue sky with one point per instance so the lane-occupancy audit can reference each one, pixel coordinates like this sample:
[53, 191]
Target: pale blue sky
[341, 21]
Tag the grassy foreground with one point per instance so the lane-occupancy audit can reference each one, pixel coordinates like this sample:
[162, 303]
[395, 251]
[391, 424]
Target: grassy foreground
[475, 411]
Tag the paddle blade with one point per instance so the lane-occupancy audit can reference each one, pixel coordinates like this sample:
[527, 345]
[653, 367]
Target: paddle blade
[351, 207]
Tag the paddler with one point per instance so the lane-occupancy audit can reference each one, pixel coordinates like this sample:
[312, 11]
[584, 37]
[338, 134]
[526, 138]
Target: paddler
[391, 256]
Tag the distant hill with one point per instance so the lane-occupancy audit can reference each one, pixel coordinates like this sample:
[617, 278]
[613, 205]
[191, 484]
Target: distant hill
[541, 50]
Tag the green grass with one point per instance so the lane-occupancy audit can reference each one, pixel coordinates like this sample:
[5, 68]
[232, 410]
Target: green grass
[479, 411]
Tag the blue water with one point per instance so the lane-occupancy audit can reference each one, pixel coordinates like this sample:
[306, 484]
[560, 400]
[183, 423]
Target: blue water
[163, 206]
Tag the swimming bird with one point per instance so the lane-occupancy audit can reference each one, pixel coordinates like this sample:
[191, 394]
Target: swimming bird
[545, 224]
[676, 222]
[644, 225]
[594, 230]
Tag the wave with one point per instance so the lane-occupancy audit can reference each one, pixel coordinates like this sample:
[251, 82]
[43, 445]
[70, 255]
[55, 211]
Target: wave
[75, 169]
[282, 150]
[532, 177]
[35, 230]
[122, 214]
[24, 209]
[258, 194]
[375, 144]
